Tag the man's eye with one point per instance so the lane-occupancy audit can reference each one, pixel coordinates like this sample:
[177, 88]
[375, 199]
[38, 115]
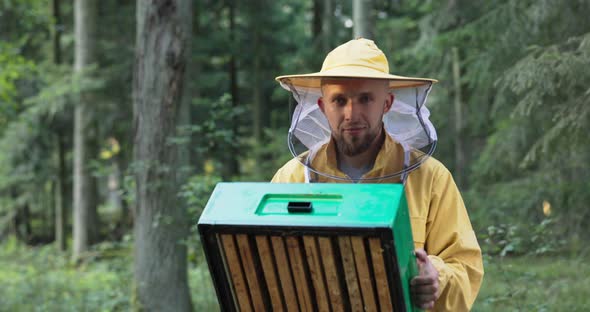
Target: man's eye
[340, 101]
[365, 99]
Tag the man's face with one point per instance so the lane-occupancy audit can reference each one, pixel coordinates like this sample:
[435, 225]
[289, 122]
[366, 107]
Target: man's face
[354, 108]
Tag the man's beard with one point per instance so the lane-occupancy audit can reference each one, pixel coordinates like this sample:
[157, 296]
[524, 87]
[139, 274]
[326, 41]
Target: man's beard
[356, 144]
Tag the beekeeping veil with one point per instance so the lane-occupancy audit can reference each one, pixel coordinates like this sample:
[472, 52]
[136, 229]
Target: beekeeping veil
[407, 122]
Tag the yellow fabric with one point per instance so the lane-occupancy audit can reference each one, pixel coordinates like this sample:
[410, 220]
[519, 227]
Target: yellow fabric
[440, 223]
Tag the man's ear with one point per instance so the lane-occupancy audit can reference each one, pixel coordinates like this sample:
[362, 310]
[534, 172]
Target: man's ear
[388, 102]
[321, 104]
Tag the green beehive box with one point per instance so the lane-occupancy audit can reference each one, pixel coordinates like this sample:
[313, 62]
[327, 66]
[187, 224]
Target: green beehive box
[298, 247]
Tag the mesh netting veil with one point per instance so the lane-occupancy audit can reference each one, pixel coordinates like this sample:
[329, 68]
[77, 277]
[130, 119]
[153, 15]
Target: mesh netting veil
[407, 123]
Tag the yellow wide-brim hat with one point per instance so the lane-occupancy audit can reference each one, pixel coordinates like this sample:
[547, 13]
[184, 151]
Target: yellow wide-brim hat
[357, 59]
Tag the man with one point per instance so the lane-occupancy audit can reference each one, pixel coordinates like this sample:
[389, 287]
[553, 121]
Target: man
[354, 93]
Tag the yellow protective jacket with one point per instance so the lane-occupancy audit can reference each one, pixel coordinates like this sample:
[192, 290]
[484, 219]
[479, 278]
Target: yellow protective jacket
[440, 223]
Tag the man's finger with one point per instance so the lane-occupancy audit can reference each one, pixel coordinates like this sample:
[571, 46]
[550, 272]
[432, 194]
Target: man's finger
[423, 280]
[424, 289]
[421, 299]
[421, 254]
[429, 305]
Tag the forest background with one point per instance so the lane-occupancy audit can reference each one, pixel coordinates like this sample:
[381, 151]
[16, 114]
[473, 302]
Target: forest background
[511, 110]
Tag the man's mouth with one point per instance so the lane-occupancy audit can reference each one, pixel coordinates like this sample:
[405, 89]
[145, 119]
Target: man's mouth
[353, 130]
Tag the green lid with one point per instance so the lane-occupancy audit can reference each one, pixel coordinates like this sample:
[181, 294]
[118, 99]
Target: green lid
[343, 205]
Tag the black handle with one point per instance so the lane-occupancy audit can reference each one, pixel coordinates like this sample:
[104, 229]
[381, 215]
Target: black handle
[299, 207]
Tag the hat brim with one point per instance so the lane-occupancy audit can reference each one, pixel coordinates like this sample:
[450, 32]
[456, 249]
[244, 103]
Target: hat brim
[314, 80]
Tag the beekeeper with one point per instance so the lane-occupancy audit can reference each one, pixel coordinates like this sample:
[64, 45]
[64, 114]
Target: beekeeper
[357, 123]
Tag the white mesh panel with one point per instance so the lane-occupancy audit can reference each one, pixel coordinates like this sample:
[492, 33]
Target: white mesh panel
[407, 122]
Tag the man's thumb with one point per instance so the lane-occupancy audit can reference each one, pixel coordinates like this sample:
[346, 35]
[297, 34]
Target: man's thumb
[421, 255]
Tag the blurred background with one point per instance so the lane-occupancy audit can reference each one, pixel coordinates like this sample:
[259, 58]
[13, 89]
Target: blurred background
[511, 110]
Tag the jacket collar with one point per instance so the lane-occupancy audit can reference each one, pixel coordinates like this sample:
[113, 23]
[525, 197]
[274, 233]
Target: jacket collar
[389, 160]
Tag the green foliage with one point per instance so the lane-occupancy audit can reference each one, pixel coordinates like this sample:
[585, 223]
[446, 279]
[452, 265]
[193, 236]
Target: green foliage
[24, 22]
[519, 239]
[28, 164]
[534, 283]
[196, 193]
[265, 159]
[215, 133]
[41, 279]
[37, 98]
[13, 68]
[202, 291]
[553, 74]
[523, 87]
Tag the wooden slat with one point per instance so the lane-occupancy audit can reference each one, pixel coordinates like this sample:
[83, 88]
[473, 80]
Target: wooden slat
[270, 275]
[254, 285]
[364, 276]
[298, 269]
[380, 274]
[315, 270]
[284, 273]
[354, 294]
[332, 282]
[226, 270]
[237, 276]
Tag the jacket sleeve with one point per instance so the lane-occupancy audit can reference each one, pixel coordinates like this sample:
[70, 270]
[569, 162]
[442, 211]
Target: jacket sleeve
[452, 246]
[279, 177]
[291, 172]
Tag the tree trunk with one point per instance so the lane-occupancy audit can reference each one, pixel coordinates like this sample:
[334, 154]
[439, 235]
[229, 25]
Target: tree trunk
[60, 195]
[60, 208]
[161, 225]
[328, 16]
[362, 16]
[233, 165]
[25, 221]
[114, 187]
[56, 31]
[51, 203]
[459, 153]
[257, 88]
[125, 223]
[316, 26]
[85, 15]
[258, 21]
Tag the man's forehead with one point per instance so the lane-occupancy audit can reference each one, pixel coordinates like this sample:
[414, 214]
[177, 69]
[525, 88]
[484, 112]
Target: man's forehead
[354, 84]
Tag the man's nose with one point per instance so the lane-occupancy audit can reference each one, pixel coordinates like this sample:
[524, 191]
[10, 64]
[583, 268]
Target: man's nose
[350, 110]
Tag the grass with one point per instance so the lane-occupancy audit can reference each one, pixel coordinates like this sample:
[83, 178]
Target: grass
[528, 283]
[42, 279]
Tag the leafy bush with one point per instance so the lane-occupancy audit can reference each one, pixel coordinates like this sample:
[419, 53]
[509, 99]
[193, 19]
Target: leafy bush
[263, 160]
[519, 239]
[42, 279]
[535, 214]
[196, 193]
[202, 291]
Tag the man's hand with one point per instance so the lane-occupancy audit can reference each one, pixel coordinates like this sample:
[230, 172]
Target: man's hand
[424, 287]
